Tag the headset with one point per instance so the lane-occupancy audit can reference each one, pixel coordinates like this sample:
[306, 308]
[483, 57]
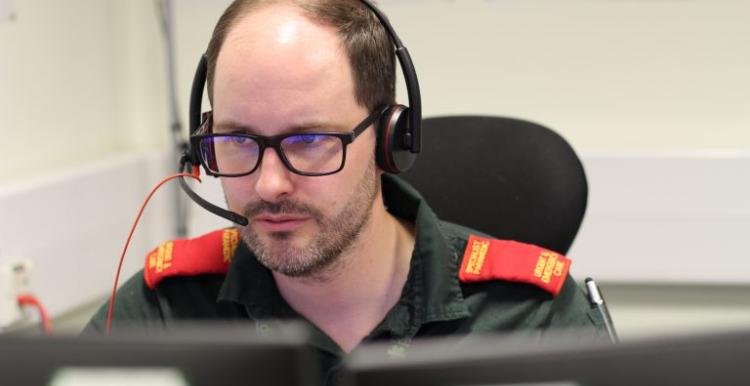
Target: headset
[399, 128]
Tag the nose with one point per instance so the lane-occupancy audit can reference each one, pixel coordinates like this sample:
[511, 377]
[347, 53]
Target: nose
[274, 179]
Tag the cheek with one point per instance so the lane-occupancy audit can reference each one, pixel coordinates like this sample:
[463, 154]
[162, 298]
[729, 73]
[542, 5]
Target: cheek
[360, 153]
[339, 187]
[323, 193]
[238, 192]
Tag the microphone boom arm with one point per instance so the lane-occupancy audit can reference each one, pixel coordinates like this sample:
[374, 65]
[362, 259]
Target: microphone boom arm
[221, 212]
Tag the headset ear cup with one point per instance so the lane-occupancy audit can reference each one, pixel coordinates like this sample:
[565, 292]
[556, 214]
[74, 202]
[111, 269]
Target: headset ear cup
[392, 153]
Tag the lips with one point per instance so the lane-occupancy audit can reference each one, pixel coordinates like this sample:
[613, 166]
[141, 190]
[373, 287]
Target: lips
[279, 223]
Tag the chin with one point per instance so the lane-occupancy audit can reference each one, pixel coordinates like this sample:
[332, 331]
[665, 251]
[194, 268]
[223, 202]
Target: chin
[280, 236]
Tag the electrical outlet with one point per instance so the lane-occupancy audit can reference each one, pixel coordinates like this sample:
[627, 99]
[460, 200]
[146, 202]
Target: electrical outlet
[9, 310]
[22, 276]
[14, 280]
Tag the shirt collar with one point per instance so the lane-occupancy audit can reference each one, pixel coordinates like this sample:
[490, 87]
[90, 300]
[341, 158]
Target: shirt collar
[433, 288]
[249, 283]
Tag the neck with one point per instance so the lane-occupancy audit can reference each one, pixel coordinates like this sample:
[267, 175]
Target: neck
[350, 299]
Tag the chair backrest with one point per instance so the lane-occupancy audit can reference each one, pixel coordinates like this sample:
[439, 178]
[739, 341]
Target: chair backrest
[509, 178]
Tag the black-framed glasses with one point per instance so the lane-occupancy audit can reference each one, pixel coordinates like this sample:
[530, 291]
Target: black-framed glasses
[307, 154]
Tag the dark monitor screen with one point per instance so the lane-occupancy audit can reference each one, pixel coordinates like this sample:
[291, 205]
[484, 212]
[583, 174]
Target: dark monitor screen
[720, 359]
[189, 356]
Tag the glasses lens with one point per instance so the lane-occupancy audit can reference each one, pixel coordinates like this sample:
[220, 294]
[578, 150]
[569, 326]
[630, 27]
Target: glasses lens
[229, 153]
[314, 153]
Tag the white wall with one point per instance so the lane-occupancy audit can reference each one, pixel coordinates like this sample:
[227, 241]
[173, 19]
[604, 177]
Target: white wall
[73, 226]
[622, 74]
[79, 81]
[82, 81]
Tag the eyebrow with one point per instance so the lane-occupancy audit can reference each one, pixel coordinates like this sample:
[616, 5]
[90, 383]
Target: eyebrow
[232, 126]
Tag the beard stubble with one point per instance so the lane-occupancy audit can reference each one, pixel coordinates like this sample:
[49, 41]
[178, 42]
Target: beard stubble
[321, 255]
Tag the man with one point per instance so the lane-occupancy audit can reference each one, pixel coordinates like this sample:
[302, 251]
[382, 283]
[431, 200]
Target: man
[354, 252]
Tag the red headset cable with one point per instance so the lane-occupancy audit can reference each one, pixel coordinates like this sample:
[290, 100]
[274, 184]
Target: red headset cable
[31, 300]
[110, 310]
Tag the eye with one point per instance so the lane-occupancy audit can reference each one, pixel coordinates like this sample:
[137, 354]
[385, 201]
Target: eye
[305, 139]
[238, 140]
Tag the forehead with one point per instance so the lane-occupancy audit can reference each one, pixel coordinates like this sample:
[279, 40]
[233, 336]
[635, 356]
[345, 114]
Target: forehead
[276, 62]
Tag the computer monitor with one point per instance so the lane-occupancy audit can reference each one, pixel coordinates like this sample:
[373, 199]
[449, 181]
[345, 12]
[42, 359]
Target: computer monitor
[720, 359]
[195, 355]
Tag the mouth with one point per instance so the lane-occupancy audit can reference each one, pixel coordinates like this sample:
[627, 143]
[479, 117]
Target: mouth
[280, 223]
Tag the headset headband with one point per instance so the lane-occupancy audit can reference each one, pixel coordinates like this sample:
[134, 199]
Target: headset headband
[410, 77]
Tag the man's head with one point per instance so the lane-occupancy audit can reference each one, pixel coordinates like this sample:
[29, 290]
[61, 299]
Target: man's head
[367, 45]
[281, 67]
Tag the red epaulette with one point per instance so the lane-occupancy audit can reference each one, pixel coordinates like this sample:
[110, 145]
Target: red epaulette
[210, 253]
[490, 259]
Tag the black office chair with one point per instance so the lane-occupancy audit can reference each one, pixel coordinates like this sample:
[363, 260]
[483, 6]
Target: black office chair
[509, 178]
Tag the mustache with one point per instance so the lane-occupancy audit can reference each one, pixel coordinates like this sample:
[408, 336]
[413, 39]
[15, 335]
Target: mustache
[254, 209]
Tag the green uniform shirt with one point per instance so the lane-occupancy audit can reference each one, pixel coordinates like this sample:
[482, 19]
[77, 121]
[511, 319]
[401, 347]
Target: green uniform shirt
[433, 301]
